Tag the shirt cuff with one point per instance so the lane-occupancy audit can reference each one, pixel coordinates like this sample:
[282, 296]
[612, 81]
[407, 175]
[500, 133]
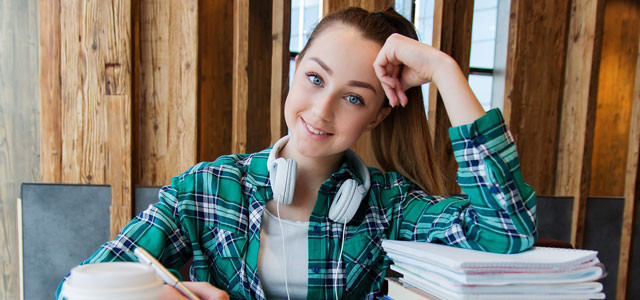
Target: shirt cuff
[486, 135]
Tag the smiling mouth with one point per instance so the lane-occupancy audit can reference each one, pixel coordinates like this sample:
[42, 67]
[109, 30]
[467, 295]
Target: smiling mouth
[314, 130]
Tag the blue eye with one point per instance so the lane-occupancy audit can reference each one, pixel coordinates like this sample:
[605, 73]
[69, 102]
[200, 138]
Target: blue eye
[353, 99]
[315, 79]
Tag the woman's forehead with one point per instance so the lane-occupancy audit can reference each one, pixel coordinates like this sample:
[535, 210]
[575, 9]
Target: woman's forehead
[345, 48]
[342, 33]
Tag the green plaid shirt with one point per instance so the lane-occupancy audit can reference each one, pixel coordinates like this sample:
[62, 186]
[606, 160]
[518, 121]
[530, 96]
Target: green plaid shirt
[212, 213]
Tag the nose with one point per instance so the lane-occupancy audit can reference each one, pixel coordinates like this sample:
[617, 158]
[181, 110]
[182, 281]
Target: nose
[323, 107]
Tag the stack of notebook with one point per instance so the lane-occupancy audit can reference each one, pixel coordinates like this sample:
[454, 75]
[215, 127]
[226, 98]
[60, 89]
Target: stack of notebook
[432, 271]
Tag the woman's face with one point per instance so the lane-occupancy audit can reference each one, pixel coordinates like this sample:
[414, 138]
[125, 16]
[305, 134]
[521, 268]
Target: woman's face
[335, 95]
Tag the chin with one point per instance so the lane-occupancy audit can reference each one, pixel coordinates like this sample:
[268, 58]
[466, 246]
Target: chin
[314, 149]
[308, 148]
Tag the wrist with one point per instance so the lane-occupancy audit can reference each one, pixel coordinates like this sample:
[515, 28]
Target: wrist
[445, 70]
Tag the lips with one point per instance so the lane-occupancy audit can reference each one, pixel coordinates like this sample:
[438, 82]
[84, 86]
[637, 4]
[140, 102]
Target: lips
[314, 130]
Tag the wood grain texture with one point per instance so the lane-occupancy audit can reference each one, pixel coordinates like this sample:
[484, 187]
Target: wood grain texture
[258, 120]
[251, 77]
[534, 86]
[280, 58]
[50, 101]
[166, 103]
[451, 34]
[615, 93]
[117, 96]
[92, 65]
[215, 57]
[330, 6]
[19, 126]
[120, 173]
[578, 108]
[631, 182]
[96, 87]
[240, 76]
[83, 60]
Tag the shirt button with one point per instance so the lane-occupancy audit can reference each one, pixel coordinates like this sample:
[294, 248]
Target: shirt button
[493, 189]
[316, 228]
[315, 269]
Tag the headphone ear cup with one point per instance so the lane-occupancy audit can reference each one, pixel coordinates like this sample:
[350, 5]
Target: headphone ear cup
[282, 175]
[290, 181]
[347, 201]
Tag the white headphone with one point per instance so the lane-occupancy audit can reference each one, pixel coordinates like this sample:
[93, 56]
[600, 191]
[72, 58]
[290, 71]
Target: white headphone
[282, 174]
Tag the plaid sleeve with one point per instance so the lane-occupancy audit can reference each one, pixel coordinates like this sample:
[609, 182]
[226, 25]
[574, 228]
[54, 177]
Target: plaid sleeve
[155, 229]
[498, 213]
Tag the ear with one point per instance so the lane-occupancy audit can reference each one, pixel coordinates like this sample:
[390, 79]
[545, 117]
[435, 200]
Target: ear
[380, 116]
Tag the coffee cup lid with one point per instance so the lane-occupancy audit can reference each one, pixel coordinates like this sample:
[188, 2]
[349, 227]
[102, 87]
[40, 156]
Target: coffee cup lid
[112, 275]
[114, 278]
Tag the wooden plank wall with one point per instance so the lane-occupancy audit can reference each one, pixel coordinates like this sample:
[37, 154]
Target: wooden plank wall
[82, 69]
[632, 180]
[615, 90]
[329, 6]
[215, 64]
[240, 76]
[578, 108]
[138, 120]
[96, 98]
[19, 126]
[165, 113]
[162, 37]
[251, 110]
[533, 87]
[260, 40]
[280, 60]
[118, 98]
[50, 85]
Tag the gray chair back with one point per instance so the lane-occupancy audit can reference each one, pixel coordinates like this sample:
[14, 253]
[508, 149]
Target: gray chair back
[633, 277]
[62, 225]
[602, 230]
[554, 217]
[143, 197]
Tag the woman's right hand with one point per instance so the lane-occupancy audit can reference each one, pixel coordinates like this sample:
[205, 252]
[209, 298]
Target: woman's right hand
[403, 63]
[203, 290]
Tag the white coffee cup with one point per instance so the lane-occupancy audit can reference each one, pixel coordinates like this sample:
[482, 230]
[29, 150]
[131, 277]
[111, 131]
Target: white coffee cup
[112, 280]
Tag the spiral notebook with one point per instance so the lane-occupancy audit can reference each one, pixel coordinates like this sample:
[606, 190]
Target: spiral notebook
[538, 273]
[470, 260]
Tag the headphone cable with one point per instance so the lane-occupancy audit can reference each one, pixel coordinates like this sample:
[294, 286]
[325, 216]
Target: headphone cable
[284, 251]
[335, 280]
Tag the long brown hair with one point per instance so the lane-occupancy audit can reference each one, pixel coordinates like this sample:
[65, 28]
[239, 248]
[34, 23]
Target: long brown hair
[402, 142]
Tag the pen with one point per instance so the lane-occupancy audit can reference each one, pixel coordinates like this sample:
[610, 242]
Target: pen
[145, 258]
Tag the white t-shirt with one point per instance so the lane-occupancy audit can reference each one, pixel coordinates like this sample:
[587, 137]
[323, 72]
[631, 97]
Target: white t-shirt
[271, 263]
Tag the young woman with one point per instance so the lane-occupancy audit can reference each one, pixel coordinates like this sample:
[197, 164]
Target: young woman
[354, 73]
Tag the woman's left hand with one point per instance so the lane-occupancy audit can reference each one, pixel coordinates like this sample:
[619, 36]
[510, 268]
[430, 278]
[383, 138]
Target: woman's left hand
[403, 63]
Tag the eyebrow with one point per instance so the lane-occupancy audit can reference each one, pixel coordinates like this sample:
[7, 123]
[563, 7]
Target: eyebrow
[351, 83]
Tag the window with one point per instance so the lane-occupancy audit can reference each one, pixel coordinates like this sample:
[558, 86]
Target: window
[483, 42]
[305, 15]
